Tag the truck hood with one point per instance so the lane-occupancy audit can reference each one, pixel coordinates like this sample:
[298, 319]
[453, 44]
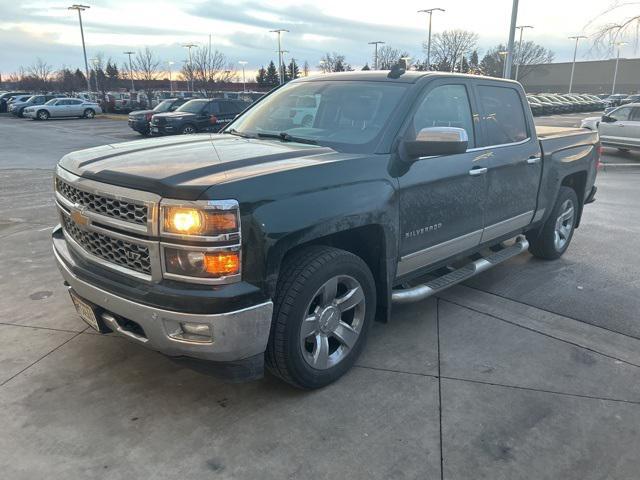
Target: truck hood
[184, 167]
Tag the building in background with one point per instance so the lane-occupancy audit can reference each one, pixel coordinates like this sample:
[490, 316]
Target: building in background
[589, 77]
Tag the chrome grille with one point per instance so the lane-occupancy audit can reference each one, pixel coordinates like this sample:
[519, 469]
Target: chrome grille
[120, 252]
[123, 210]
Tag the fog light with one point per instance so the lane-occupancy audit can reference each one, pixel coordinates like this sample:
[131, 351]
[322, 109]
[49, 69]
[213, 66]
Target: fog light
[190, 332]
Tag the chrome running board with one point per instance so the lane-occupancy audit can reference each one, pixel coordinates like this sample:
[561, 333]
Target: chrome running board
[420, 292]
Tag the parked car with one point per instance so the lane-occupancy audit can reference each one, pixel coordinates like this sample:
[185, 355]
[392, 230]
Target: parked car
[279, 242]
[17, 99]
[63, 107]
[620, 128]
[4, 99]
[614, 100]
[198, 115]
[139, 120]
[556, 106]
[630, 99]
[579, 104]
[536, 107]
[17, 108]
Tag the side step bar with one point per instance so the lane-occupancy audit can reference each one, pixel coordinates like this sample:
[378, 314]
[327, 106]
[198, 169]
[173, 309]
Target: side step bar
[436, 285]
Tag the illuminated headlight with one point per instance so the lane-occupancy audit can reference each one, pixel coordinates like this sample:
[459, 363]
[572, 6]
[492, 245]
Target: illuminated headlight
[198, 221]
[201, 264]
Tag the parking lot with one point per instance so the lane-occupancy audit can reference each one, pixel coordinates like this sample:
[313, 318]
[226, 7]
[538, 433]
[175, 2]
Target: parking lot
[529, 371]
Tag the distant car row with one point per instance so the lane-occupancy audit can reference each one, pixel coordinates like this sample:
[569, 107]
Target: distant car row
[554, 103]
[43, 107]
[179, 116]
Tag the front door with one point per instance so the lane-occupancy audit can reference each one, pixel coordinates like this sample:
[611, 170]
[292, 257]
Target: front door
[624, 129]
[515, 162]
[442, 198]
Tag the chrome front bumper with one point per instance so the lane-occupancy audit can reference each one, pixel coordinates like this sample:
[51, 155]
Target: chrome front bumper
[236, 335]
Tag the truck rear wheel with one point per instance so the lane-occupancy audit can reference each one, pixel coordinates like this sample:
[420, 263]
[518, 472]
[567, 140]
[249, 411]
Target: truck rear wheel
[554, 237]
[325, 303]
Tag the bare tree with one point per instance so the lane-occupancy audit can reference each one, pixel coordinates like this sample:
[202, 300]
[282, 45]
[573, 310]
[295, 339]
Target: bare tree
[209, 68]
[530, 56]
[447, 47]
[41, 73]
[334, 62]
[606, 34]
[146, 65]
[387, 57]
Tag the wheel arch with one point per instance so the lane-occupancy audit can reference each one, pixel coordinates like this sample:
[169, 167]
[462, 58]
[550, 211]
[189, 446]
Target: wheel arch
[578, 182]
[371, 242]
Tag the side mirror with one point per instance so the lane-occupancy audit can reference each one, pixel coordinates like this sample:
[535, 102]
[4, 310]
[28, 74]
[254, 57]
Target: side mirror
[608, 119]
[437, 141]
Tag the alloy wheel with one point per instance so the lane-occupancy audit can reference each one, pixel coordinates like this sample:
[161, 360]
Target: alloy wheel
[333, 323]
[564, 225]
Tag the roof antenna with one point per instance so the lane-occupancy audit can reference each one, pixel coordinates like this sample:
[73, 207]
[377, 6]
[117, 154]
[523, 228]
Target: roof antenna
[396, 71]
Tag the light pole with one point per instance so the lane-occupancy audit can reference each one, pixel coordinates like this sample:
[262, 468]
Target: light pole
[80, 9]
[512, 34]
[521, 28]
[575, 52]
[130, 70]
[280, 69]
[375, 55]
[615, 72]
[190, 46]
[244, 82]
[95, 62]
[430, 12]
[170, 63]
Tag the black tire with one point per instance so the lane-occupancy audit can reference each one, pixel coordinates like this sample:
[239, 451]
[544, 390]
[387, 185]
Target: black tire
[543, 242]
[42, 115]
[188, 129]
[301, 276]
[89, 113]
[21, 113]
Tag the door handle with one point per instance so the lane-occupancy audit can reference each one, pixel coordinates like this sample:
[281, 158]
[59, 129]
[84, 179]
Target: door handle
[478, 171]
[533, 160]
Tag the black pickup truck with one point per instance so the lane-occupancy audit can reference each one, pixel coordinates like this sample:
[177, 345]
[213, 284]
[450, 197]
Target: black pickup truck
[279, 240]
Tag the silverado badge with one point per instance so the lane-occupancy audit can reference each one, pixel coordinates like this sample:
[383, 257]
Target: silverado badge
[78, 215]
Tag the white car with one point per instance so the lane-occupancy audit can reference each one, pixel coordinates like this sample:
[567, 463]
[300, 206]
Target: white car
[619, 128]
[63, 107]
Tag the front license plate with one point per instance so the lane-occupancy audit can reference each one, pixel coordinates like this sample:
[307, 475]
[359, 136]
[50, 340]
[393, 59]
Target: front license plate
[155, 129]
[86, 311]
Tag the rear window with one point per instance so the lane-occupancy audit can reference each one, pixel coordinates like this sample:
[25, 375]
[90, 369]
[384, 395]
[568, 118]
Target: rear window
[502, 115]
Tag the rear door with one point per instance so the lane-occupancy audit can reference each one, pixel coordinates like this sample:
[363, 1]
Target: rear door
[509, 143]
[442, 197]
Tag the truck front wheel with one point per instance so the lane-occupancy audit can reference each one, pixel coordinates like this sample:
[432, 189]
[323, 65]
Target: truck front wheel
[325, 303]
[554, 237]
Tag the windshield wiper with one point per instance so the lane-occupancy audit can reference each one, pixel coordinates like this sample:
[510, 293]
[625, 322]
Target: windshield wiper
[285, 137]
[235, 132]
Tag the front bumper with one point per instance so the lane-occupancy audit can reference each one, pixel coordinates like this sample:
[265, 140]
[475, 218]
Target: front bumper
[141, 126]
[236, 335]
[162, 129]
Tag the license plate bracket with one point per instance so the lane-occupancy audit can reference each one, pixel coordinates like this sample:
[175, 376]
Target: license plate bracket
[87, 312]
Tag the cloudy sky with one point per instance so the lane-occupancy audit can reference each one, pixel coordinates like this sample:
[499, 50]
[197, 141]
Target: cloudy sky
[240, 28]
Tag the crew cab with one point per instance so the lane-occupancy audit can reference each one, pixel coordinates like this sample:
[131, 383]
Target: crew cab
[279, 241]
[198, 115]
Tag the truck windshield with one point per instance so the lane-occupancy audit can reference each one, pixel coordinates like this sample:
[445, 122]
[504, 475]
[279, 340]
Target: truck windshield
[163, 106]
[193, 106]
[340, 114]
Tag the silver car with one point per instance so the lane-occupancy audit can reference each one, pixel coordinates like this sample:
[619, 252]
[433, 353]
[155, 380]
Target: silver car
[63, 107]
[618, 128]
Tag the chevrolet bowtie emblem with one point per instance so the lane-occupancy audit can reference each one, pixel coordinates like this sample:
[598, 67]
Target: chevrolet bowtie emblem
[78, 215]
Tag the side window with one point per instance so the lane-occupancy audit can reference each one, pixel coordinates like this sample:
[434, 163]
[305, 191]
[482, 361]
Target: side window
[227, 107]
[74, 102]
[446, 106]
[621, 114]
[62, 102]
[635, 114]
[213, 108]
[502, 115]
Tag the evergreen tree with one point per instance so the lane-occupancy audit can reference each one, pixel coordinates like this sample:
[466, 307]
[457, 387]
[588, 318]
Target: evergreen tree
[81, 80]
[366, 67]
[293, 71]
[261, 78]
[273, 79]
